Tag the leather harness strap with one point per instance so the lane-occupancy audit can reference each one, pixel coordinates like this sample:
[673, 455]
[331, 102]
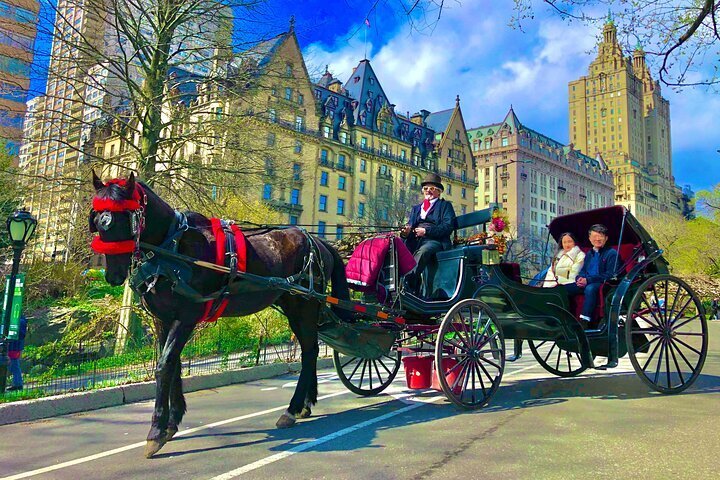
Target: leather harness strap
[230, 251]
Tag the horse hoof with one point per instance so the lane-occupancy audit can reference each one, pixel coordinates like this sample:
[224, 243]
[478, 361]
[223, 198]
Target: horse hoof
[305, 413]
[170, 433]
[285, 421]
[152, 447]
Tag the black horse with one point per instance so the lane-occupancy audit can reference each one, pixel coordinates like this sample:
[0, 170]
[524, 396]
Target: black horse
[128, 214]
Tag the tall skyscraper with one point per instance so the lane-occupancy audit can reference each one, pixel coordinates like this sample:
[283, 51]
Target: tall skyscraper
[17, 37]
[618, 110]
[91, 66]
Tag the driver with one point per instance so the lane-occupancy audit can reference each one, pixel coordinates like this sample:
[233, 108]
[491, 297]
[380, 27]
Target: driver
[428, 228]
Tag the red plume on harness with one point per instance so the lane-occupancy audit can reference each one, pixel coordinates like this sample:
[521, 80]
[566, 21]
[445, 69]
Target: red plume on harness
[133, 206]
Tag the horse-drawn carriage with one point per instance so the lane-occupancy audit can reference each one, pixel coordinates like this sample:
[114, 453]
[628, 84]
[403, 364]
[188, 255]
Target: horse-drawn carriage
[188, 268]
[478, 301]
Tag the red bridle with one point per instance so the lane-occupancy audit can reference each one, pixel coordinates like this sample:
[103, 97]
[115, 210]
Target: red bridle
[135, 206]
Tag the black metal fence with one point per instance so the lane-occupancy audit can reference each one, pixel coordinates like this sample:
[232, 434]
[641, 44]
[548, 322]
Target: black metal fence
[101, 364]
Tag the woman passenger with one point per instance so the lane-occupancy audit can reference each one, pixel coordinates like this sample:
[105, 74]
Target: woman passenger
[567, 262]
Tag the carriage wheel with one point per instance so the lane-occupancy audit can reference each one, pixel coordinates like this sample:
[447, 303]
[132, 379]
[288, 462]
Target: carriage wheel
[470, 350]
[667, 336]
[365, 376]
[556, 360]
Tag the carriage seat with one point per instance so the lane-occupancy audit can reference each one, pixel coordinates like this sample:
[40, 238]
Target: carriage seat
[445, 273]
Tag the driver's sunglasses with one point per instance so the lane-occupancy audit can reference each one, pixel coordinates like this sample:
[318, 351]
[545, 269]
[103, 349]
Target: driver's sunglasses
[430, 189]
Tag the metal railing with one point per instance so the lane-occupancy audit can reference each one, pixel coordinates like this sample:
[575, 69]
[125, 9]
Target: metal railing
[96, 364]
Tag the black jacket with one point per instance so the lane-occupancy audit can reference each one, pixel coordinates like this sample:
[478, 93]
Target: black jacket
[439, 224]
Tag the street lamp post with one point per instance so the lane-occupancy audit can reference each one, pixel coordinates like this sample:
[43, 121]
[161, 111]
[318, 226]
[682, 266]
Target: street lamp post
[497, 167]
[21, 226]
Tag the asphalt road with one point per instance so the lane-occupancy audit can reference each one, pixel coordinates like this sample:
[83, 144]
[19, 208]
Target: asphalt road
[599, 425]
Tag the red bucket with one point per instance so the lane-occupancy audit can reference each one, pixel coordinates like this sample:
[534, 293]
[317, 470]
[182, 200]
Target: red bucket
[418, 371]
[448, 364]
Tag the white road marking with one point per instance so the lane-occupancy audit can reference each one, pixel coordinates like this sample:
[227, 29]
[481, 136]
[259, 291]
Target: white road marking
[132, 446]
[308, 445]
[416, 403]
[281, 455]
[268, 389]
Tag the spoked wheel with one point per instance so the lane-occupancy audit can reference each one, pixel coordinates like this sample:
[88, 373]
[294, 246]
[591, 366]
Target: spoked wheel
[555, 359]
[470, 350]
[365, 376]
[667, 336]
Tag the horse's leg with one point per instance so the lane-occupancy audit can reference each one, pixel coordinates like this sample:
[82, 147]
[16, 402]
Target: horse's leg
[164, 372]
[178, 407]
[304, 326]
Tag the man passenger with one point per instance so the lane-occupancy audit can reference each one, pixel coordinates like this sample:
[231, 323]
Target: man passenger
[600, 265]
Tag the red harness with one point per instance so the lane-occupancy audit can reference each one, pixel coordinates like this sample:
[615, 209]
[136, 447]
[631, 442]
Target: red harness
[219, 233]
[134, 205]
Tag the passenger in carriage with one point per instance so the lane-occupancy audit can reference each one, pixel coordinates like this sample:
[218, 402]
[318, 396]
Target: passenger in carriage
[567, 262]
[428, 228]
[599, 266]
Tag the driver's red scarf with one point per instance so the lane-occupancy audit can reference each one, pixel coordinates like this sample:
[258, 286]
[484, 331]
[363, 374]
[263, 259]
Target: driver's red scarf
[241, 248]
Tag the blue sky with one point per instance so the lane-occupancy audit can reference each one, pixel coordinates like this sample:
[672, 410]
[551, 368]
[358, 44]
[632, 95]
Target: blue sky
[472, 52]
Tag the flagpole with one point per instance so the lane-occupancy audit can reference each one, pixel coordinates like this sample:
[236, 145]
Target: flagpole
[366, 29]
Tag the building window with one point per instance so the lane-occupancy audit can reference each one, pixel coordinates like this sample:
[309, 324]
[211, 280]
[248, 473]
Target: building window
[341, 161]
[288, 93]
[341, 206]
[463, 193]
[295, 196]
[323, 203]
[449, 190]
[504, 142]
[363, 165]
[362, 186]
[298, 146]
[299, 123]
[323, 178]
[288, 69]
[343, 137]
[293, 219]
[267, 191]
[326, 131]
[272, 115]
[340, 231]
[271, 140]
[321, 229]
[361, 209]
[300, 99]
[323, 155]
[414, 180]
[297, 169]
[341, 183]
[363, 143]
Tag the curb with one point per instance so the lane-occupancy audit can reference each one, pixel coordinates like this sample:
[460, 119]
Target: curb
[29, 410]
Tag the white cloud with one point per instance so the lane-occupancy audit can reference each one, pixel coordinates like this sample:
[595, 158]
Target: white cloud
[474, 54]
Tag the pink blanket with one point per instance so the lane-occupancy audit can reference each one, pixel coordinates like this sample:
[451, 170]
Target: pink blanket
[367, 260]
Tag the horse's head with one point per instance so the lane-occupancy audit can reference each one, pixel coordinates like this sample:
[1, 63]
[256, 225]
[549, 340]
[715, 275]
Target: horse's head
[118, 216]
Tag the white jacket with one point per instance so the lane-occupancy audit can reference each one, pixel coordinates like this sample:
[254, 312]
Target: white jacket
[565, 267]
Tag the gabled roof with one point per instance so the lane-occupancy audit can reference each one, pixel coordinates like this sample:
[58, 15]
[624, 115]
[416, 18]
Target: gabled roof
[439, 121]
[511, 121]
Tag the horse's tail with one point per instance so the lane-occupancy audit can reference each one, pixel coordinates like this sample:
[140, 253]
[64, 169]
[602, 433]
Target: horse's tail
[338, 279]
